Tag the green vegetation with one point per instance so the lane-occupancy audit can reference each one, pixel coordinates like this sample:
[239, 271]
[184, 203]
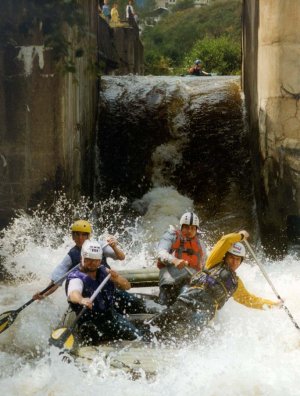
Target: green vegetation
[211, 33]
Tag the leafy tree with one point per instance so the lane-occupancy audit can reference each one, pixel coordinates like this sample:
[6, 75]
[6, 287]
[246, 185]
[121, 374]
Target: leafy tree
[183, 5]
[221, 55]
[176, 33]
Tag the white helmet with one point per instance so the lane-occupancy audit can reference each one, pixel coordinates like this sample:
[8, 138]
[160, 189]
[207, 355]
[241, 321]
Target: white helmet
[91, 249]
[238, 249]
[189, 218]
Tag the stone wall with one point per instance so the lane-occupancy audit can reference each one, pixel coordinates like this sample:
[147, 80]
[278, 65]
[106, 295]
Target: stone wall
[271, 53]
[47, 115]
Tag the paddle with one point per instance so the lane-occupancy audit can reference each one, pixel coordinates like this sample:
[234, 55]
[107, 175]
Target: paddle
[271, 284]
[8, 317]
[63, 337]
[189, 271]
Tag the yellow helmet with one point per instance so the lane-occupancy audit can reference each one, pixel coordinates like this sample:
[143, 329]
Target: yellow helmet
[81, 226]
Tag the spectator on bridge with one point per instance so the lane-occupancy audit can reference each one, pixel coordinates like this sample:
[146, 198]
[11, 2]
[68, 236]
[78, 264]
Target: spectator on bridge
[106, 11]
[115, 19]
[129, 11]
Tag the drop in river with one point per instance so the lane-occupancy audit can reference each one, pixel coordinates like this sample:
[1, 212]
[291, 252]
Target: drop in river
[243, 351]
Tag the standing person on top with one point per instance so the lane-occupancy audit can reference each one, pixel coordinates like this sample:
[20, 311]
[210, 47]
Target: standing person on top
[106, 11]
[129, 10]
[81, 284]
[81, 231]
[209, 290]
[115, 18]
[176, 250]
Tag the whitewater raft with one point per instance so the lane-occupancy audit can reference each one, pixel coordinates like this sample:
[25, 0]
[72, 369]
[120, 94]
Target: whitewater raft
[135, 358]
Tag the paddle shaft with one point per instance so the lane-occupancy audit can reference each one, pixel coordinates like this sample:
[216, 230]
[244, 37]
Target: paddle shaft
[47, 288]
[92, 298]
[7, 318]
[62, 340]
[51, 285]
[189, 271]
[271, 284]
[11, 315]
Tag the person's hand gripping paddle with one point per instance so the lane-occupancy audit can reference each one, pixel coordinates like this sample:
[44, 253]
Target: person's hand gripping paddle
[63, 337]
[7, 318]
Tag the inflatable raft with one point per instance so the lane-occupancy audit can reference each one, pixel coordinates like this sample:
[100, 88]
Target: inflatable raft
[133, 357]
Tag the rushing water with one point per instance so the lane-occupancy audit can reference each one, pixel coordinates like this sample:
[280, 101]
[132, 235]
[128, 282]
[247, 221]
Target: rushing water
[244, 351]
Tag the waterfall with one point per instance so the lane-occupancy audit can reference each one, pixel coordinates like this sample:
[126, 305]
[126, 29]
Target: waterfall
[164, 145]
[184, 133]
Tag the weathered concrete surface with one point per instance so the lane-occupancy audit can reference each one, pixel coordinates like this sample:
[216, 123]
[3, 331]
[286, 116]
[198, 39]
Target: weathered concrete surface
[47, 117]
[120, 49]
[271, 80]
[130, 51]
[185, 132]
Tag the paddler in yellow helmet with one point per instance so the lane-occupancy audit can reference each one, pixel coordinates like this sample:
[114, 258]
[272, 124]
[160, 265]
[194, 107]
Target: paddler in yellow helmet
[81, 231]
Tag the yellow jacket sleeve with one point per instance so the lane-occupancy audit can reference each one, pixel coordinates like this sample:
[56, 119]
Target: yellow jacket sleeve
[242, 296]
[220, 248]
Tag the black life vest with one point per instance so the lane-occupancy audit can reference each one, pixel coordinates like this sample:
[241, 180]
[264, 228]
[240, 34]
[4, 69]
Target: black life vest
[220, 282]
[104, 299]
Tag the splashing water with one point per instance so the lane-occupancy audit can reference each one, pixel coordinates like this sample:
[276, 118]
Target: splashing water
[243, 351]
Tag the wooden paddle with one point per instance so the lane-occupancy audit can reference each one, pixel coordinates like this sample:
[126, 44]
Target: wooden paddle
[8, 317]
[63, 337]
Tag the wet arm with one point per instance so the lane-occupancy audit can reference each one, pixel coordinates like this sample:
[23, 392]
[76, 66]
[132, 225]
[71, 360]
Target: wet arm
[58, 273]
[119, 281]
[164, 247]
[111, 249]
[242, 296]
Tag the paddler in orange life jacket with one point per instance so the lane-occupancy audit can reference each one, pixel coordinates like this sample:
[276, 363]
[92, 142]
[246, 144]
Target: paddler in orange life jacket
[176, 250]
[208, 291]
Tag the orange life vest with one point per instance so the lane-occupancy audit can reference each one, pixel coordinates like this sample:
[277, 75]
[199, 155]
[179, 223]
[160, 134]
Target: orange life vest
[189, 250]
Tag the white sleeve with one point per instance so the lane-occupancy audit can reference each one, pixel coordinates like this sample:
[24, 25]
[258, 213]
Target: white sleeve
[107, 251]
[62, 269]
[164, 247]
[75, 285]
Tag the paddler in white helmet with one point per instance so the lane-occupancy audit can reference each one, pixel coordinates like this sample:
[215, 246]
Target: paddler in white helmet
[209, 290]
[81, 231]
[81, 284]
[179, 248]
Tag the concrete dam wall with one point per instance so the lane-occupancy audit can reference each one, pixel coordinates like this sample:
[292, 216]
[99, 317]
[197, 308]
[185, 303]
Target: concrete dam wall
[48, 114]
[271, 54]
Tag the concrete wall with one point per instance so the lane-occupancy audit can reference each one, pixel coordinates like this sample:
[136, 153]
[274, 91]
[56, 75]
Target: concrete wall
[271, 52]
[120, 49]
[47, 116]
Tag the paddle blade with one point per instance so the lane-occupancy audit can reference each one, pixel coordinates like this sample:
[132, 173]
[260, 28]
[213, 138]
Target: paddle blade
[62, 338]
[7, 319]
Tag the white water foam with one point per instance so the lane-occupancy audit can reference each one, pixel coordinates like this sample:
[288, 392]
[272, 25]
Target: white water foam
[243, 352]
